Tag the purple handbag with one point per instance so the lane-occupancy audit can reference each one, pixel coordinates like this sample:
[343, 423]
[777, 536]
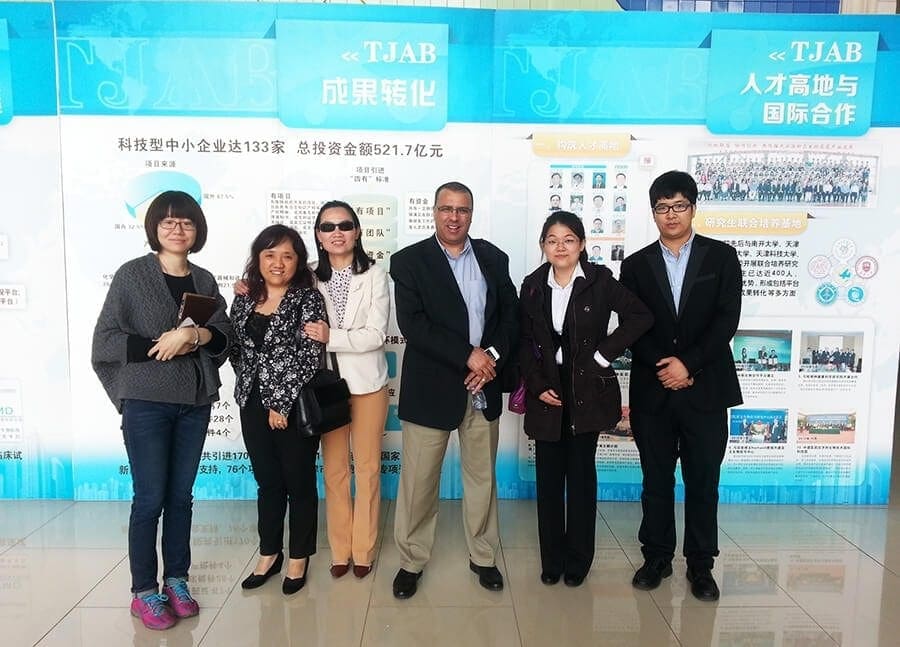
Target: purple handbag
[516, 402]
[517, 398]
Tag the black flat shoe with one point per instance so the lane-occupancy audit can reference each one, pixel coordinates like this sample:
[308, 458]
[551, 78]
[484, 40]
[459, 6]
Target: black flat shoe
[254, 581]
[549, 578]
[571, 579]
[293, 584]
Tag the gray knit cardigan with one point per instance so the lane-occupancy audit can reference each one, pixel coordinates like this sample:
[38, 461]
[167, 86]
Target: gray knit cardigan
[139, 303]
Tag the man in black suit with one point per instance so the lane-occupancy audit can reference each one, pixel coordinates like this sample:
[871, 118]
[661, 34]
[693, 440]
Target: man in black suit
[456, 306]
[683, 380]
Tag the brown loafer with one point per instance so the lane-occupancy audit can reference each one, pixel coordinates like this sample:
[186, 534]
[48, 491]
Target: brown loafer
[339, 570]
[361, 571]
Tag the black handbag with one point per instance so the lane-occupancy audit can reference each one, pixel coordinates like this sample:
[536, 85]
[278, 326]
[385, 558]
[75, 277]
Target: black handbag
[323, 403]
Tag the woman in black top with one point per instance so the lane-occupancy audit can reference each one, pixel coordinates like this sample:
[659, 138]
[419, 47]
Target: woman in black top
[572, 393]
[163, 379]
[273, 359]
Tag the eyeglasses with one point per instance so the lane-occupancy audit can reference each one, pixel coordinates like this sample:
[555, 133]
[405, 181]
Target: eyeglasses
[678, 207]
[568, 242]
[344, 225]
[169, 224]
[446, 210]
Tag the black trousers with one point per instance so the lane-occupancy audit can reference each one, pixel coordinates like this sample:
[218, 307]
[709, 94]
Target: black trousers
[284, 464]
[566, 479]
[699, 438]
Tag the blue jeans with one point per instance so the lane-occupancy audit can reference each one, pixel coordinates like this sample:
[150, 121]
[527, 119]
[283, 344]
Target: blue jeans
[164, 443]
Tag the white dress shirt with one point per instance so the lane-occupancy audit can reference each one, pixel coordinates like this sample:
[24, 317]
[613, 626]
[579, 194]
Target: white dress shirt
[559, 304]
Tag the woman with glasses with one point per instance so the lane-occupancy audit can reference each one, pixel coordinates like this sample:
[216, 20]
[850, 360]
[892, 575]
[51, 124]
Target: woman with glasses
[358, 303]
[163, 379]
[572, 394]
[273, 359]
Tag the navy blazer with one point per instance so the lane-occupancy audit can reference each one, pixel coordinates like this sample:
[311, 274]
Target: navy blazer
[699, 334]
[432, 316]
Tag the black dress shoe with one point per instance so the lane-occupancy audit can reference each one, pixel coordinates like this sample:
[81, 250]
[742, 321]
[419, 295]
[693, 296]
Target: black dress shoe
[571, 579]
[549, 578]
[405, 584]
[293, 584]
[488, 576]
[703, 586]
[254, 581]
[649, 576]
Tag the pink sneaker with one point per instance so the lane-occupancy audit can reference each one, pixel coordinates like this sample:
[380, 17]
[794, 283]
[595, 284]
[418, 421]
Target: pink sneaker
[180, 600]
[152, 611]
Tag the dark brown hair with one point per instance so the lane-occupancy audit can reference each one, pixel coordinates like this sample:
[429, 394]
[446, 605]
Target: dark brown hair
[569, 220]
[455, 187]
[174, 204]
[670, 183]
[270, 237]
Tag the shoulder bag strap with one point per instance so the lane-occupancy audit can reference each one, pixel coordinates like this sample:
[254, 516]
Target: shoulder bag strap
[334, 364]
[324, 362]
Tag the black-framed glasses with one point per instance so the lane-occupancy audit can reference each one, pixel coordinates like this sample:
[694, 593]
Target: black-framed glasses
[446, 210]
[678, 207]
[344, 225]
[169, 224]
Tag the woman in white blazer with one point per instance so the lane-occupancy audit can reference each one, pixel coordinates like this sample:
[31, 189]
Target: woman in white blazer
[357, 300]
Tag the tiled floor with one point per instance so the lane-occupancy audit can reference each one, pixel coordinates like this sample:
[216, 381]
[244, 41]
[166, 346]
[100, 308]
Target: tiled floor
[790, 576]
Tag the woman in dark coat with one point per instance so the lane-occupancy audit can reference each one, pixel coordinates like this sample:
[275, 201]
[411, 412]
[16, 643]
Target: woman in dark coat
[572, 394]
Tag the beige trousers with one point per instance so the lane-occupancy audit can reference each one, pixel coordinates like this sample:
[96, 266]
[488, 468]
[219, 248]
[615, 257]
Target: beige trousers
[417, 497]
[353, 526]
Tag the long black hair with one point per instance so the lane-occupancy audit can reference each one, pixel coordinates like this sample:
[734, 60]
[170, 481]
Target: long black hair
[569, 220]
[361, 260]
[268, 238]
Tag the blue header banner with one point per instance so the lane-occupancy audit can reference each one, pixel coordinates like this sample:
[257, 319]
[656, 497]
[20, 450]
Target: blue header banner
[172, 58]
[197, 76]
[388, 76]
[299, 63]
[27, 66]
[791, 83]
[6, 93]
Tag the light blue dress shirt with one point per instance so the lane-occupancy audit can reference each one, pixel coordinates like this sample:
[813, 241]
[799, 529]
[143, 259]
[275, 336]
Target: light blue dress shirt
[676, 266]
[472, 285]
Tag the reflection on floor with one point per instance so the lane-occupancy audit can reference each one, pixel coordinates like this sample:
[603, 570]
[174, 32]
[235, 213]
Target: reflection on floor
[790, 576]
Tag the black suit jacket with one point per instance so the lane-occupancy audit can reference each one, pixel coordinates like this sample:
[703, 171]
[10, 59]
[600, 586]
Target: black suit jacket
[597, 404]
[432, 316]
[699, 335]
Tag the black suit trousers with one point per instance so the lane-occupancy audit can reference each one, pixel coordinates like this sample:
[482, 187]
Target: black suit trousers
[566, 478]
[699, 439]
[284, 465]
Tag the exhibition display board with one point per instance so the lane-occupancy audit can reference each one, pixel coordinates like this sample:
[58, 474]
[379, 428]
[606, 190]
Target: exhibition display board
[263, 111]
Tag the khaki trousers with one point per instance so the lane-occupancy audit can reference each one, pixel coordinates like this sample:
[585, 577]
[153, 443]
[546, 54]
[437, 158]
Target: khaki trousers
[417, 497]
[353, 526]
